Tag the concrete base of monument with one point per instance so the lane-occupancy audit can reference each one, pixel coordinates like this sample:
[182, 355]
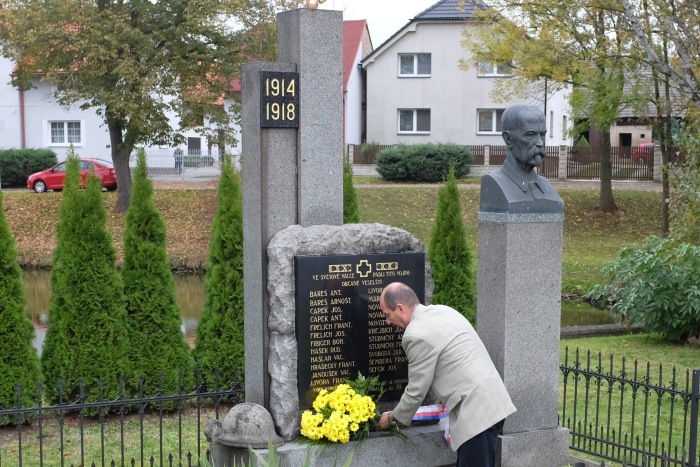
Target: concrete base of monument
[543, 448]
[425, 446]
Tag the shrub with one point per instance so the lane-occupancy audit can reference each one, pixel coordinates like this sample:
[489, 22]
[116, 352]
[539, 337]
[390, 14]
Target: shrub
[583, 142]
[219, 344]
[157, 345]
[424, 162]
[655, 283]
[86, 338]
[351, 208]
[17, 164]
[19, 362]
[207, 161]
[449, 254]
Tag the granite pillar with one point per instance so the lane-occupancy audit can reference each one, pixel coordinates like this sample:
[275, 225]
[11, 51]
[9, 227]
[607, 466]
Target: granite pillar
[518, 318]
[290, 175]
[269, 165]
[313, 40]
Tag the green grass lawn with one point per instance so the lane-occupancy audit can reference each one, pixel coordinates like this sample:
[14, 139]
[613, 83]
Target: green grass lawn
[591, 238]
[609, 405]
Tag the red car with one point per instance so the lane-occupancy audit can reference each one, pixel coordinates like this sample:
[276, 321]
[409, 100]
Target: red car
[644, 154]
[52, 179]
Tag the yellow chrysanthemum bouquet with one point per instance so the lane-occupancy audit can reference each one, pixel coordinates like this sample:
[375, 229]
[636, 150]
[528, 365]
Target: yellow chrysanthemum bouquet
[347, 412]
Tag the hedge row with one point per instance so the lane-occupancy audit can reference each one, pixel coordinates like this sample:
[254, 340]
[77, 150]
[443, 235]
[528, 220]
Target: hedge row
[17, 164]
[424, 162]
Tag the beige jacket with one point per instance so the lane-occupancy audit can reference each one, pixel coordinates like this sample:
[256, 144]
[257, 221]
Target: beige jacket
[446, 355]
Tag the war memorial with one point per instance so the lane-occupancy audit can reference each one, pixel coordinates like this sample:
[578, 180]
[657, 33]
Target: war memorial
[312, 284]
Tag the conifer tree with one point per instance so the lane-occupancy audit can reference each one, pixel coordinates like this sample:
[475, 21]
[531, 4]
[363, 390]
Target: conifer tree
[156, 343]
[87, 338]
[19, 362]
[351, 209]
[449, 254]
[219, 344]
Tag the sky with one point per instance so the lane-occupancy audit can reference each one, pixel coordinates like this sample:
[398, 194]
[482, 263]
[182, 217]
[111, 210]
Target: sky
[384, 17]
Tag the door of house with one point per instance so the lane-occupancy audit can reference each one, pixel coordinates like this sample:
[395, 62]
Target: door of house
[625, 144]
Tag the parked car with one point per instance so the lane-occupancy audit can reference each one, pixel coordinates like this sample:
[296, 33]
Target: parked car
[644, 154]
[52, 179]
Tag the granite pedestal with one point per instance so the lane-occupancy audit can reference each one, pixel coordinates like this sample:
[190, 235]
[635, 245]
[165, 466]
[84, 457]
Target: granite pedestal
[518, 318]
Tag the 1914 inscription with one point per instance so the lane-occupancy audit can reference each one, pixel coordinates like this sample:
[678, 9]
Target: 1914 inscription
[279, 99]
[340, 327]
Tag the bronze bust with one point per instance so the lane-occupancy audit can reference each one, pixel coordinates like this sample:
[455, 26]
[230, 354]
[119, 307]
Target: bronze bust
[516, 187]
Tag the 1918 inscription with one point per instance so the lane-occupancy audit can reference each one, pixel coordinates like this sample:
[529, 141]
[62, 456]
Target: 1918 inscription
[340, 327]
[279, 99]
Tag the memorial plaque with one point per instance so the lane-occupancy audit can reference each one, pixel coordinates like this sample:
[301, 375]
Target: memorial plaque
[340, 327]
[279, 99]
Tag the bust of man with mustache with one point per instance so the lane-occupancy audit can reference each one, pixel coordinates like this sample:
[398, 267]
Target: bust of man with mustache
[516, 187]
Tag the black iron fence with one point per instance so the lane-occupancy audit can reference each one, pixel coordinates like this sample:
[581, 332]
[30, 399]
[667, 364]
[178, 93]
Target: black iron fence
[159, 429]
[636, 416]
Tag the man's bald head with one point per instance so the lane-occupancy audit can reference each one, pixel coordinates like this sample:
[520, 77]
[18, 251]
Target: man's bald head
[398, 292]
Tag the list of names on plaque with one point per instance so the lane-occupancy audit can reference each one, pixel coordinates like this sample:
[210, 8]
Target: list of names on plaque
[340, 327]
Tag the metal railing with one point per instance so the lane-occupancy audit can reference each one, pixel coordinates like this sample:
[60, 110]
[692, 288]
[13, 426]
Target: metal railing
[168, 160]
[160, 429]
[631, 415]
[628, 163]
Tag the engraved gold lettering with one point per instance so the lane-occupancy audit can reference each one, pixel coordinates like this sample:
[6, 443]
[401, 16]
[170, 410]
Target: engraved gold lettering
[372, 282]
[341, 301]
[320, 335]
[318, 293]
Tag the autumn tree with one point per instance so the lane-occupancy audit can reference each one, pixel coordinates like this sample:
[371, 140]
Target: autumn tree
[219, 344]
[87, 340]
[19, 362]
[669, 33]
[157, 344]
[449, 253]
[138, 61]
[577, 43]
[669, 36]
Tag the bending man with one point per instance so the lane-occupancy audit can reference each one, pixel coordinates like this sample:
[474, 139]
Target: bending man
[445, 355]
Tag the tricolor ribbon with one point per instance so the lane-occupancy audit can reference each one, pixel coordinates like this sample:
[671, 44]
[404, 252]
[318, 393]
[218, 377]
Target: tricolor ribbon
[434, 412]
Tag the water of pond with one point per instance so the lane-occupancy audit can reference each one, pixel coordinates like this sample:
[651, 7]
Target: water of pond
[37, 289]
[190, 297]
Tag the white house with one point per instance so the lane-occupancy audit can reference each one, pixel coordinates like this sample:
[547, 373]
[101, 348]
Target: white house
[356, 44]
[416, 92]
[33, 119]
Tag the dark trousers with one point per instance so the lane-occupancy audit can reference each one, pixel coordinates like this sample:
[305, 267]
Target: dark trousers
[480, 451]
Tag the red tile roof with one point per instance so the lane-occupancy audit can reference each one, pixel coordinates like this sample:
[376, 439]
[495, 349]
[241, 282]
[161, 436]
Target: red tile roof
[352, 41]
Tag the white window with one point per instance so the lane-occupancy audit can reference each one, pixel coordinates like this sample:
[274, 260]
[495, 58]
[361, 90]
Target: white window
[494, 69]
[489, 121]
[414, 121]
[564, 128]
[64, 133]
[414, 65]
[551, 123]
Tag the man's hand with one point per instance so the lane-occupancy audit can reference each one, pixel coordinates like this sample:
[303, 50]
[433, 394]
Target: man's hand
[385, 422]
